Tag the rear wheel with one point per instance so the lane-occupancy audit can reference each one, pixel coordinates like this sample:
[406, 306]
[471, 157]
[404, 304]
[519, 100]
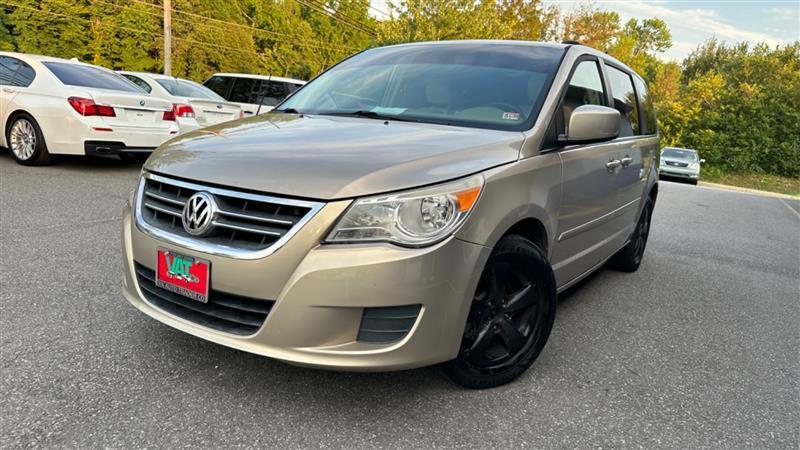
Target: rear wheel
[630, 257]
[510, 319]
[26, 142]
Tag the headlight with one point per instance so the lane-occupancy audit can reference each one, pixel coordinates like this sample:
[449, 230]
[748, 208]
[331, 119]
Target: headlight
[410, 218]
[694, 166]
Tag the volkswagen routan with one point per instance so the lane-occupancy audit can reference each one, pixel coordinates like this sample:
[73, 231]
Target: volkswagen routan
[414, 205]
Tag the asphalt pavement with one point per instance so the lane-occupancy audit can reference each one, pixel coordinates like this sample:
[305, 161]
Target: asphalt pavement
[700, 347]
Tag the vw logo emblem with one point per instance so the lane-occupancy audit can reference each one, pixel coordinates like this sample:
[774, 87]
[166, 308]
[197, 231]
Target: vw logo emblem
[198, 214]
[141, 102]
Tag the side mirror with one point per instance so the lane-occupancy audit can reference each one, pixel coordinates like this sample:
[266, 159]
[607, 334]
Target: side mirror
[591, 123]
[702, 161]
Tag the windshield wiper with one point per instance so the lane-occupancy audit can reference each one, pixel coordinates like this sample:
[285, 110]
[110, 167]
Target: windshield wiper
[287, 111]
[378, 116]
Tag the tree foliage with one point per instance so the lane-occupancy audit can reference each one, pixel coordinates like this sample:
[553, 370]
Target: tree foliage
[738, 104]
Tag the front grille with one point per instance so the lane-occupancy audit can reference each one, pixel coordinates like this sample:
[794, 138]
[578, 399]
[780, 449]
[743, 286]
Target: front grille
[387, 324]
[677, 164]
[244, 221]
[224, 312]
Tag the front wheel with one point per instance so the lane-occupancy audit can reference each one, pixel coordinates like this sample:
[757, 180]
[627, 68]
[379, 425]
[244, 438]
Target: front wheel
[510, 319]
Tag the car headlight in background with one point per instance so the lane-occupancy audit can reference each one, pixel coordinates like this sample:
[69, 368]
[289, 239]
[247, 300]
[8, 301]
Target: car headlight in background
[694, 166]
[412, 218]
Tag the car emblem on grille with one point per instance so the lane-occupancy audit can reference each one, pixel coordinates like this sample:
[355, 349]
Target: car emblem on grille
[141, 102]
[199, 213]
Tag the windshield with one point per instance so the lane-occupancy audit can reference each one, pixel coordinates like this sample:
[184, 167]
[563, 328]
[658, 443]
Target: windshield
[679, 153]
[185, 88]
[486, 85]
[91, 77]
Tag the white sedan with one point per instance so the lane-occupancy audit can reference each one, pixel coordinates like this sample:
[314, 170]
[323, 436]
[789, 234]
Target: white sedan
[54, 106]
[195, 105]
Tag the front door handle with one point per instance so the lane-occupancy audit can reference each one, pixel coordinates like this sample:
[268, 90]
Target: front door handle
[9, 90]
[613, 164]
[626, 161]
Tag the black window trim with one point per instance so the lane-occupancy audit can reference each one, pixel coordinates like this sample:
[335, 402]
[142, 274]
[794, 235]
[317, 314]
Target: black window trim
[563, 93]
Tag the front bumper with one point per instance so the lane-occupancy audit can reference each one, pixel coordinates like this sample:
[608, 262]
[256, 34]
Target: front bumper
[679, 172]
[321, 291]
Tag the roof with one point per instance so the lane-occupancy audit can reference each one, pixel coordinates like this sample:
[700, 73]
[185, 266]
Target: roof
[43, 58]
[260, 77]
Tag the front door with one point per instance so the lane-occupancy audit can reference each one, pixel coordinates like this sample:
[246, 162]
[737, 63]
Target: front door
[588, 222]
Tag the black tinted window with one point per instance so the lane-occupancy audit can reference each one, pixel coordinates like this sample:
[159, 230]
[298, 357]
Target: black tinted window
[245, 90]
[8, 67]
[648, 110]
[585, 88]
[25, 75]
[274, 92]
[91, 77]
[624, 101]
[138, 81]
[219, 85]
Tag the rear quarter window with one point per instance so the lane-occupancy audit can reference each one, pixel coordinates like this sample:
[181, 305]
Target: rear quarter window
[138, 81]
[15, 72]
[90, 77]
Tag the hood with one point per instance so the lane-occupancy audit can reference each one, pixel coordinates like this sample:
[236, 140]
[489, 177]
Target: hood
[327, 158]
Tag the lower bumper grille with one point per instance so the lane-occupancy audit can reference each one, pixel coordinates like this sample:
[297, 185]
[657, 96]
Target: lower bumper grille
[387, 324]
[224, 312]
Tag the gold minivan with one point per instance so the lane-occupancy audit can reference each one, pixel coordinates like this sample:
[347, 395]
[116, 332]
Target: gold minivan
[414, 205]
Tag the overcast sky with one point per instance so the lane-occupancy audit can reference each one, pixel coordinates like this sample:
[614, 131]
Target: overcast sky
[692, 22]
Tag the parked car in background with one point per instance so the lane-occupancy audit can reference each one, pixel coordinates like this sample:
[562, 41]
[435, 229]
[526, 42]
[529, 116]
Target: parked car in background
[51, 106]
[194, 105]
[683, 163]
[413, 205]
[256, 94]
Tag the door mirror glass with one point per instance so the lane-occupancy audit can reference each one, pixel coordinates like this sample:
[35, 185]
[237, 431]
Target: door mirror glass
[702, 161]
[592, 123]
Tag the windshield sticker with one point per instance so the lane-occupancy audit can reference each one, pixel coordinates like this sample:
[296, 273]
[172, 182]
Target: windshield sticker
[510, 116]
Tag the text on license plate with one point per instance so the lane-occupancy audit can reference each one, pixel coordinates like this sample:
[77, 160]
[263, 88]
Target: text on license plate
[184, 275]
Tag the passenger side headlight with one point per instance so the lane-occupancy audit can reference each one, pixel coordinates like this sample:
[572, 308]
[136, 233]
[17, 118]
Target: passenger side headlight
[694, 166]
[410, 218]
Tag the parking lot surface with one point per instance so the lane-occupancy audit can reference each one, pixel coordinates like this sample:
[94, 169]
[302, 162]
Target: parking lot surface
[697, 348]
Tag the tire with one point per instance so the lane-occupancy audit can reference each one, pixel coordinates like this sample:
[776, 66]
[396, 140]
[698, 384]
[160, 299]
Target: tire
[630, 257]
[694, 182]
[510, 319]
[26, 142]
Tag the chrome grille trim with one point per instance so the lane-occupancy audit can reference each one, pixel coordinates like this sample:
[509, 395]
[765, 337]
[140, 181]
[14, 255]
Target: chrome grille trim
[202, 244]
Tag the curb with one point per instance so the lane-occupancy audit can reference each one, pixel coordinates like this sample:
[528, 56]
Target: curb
[748, 190]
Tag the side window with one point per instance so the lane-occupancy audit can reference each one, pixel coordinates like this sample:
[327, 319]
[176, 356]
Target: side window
[8, 67]
[274, 92]
[245, 90]
[648, 110]
[585, 88]
[25, 75]
[138, 81]
[624, 101]
[219, 85]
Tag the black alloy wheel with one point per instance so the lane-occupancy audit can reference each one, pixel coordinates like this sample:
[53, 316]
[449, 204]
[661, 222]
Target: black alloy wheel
[510, 319]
